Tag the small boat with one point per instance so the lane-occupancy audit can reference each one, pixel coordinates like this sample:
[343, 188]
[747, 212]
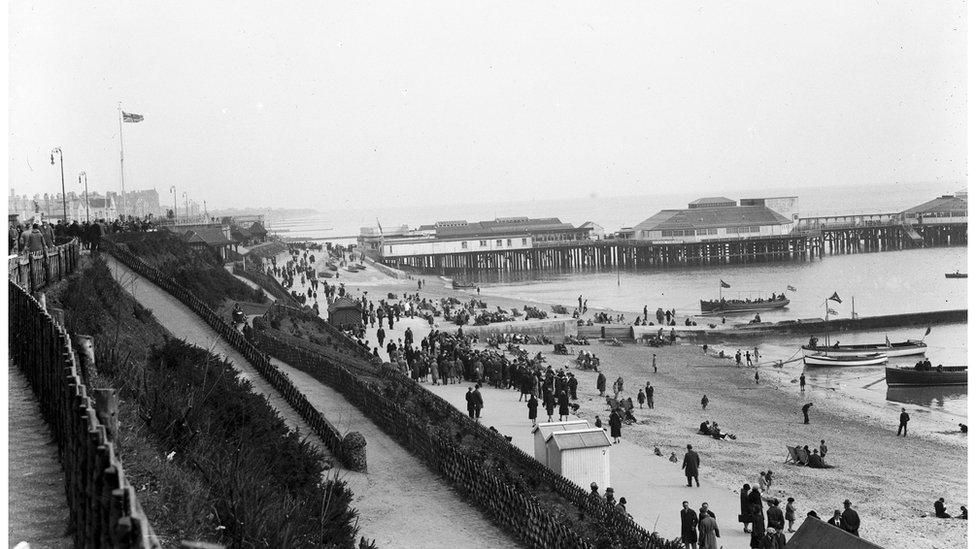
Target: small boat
[461, 285]
[740, 305]
[957, 274]
[325, 274]
[900, 348]
[331, 267]
[869, 359]
[352, 269]
[948, 375]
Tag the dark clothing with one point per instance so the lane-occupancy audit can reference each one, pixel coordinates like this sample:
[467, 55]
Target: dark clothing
[940, 510]
[690, 466]
[469, 397]
[850, 521]
[615, 424]
[903, 423]
[775, 518]
[601, 383]
[806, 413]
[689, 526]
[478, 402]
[564, 405]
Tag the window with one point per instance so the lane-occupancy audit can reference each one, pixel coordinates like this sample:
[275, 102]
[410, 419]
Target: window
[391, 249]
[498, 243]
[508, 242]
[464, 244]
[482, 243]
[525, 241]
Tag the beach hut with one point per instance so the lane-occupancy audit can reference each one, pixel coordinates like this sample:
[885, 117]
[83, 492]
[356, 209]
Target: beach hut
[345, 312]
[581, 456]
[542, 430]
[817, 534]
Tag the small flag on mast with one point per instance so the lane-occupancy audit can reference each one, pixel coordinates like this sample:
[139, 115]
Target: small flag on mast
[835, 297]
[131, 118]
[831, 311]
[723, 284]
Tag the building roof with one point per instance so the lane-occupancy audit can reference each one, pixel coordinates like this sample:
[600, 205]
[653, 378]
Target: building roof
[257, 229]
[945, 203]
[712, 200]
[500, 227]
[345, 303]
[582, 438]
[817, 534]
[99, 203]
[548, 427]
[702, 218]
[211, 236]
[591, 225]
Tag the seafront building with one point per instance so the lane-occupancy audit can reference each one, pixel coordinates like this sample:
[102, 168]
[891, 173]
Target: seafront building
[720, 218]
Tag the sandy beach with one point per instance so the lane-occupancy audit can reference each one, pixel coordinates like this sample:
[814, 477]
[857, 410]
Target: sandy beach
[892, 481]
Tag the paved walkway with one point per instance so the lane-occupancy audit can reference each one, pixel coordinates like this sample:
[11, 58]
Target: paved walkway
[37, 510]
[401, 502]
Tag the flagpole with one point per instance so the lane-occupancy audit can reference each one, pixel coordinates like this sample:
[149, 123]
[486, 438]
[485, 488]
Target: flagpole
[121, 160]
[827, 322]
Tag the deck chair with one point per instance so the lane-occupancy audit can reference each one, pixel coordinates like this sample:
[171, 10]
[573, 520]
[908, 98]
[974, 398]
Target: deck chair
[791, 455]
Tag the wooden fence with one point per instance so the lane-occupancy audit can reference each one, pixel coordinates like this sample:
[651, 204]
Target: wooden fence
[353, 456]
[33, 271]
[103, 508]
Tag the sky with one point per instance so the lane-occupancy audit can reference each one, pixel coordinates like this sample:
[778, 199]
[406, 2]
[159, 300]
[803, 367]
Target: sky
[327, 105]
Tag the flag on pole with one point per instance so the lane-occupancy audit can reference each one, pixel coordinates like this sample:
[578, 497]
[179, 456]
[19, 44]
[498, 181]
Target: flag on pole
[928, 330]
[131, 118]
[723, 284]
[835, 297]
[831, 311]
[791, 288]
[380, 226]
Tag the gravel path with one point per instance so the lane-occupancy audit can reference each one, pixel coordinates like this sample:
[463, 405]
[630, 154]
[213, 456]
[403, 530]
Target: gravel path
[37, 511]
[401, 502]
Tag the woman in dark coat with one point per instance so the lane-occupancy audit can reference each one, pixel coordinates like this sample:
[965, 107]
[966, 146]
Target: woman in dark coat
[689, 526]
[533, 408]
[615, 424]
[601, 383]
[550, 404]
[758, 527]
[563, 405]
[745, 508]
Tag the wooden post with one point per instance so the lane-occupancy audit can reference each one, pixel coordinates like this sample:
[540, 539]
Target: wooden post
[107, 410]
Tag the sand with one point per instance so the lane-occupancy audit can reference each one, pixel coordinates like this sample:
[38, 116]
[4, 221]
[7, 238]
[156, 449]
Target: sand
[892, 481]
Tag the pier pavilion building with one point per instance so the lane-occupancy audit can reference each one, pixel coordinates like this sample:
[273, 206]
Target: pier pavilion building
[720, 218]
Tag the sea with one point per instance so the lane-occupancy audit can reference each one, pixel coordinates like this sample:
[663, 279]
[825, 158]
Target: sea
[868, 283]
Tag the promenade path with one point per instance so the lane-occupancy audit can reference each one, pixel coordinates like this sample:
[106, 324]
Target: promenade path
[401, 502]
[37, 510]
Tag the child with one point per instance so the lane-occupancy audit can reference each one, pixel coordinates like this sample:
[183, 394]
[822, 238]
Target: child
[790, 514]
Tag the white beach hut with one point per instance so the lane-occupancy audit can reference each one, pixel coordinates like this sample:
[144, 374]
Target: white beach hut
[541, 432]
[582, 456]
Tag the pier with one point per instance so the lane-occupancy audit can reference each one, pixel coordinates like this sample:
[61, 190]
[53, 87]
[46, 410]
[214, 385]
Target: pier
[813, 237]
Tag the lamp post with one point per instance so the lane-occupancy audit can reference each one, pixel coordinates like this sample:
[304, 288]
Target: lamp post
[81, 175]
[64, 202]
[172, 189]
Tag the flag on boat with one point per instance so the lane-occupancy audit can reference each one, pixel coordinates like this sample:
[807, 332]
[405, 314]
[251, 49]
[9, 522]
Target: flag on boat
[928, 330]
[723, 284]
[791, 288]
[131, 118]
[831, 311]
[835, 297]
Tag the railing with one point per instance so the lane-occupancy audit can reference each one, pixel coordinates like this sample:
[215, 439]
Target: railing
[33, 271]
[103, 508]
[351, 455]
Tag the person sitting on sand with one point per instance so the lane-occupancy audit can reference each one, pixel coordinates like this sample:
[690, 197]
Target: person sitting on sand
[674, 459]
[940, 509]
[963, 428]
[816, 461]
[965, 513]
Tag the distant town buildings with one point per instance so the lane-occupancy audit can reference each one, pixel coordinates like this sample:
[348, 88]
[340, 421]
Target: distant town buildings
[100, 206]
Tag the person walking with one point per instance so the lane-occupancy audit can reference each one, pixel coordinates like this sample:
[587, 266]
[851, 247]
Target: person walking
[806, 412]
[380, 335]
[748, 359]
[649, 393]
[690, 466]
[533, 406]
[708, 530]
[689, 526]
[654, 363]
[745, 508]
[903, 423]
[563, 400]
[790, 514]
[615, 425]
[478, 402]
[601, 383]
[573, 384]
[849, 519]
[640, 398]
[704, 402]
[469, 398]
[757, 372]
[823, 448]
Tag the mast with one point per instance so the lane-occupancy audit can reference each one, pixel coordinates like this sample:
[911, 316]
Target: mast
[827, 322]
[121, 160]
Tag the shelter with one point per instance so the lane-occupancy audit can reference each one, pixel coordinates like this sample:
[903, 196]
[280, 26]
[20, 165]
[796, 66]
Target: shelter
[542, 431]
[581, 456]
[345, 312]
[938, 210]
[719, 218]
[211, 237]
[817, 534]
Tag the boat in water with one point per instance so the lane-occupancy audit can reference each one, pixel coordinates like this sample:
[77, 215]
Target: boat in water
[901, 348]
[867, 359]
[913, 376]
[461, 285]
[957, 274]
[741, 305]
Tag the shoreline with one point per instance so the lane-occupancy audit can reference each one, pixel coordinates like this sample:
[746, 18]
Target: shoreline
[881, 476]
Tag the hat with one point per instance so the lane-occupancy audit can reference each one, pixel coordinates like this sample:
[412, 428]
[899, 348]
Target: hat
[775, 501]
[847, 502]
[609, 489]
[593, 485]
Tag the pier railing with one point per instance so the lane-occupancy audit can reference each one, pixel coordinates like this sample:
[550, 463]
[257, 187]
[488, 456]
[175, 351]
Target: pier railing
[103, 508]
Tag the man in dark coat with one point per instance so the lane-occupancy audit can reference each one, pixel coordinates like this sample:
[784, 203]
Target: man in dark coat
[775, 517]
[689, 526]
[477, 401]
[649, 393]
[601, 383]
[849, 519]
[615, 425]
[533, 405]
[573, 384]
[903, 422]
[469, 397]
[745, 506]
[690, 466]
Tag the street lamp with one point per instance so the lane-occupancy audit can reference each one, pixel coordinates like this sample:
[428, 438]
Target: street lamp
[64, 202]
[80, 175]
